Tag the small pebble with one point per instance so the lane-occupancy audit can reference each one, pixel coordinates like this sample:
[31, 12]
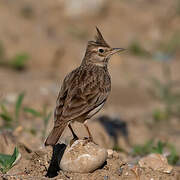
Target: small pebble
[110, 153]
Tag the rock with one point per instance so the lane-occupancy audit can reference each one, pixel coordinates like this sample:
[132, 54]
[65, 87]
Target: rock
[115, 155]
[83, 158]
[156, 162]
[110, 153]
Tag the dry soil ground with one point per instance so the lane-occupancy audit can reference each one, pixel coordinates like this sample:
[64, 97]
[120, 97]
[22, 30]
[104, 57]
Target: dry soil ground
[56, 43]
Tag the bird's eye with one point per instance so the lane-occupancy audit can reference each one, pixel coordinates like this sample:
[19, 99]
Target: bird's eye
[101, 50]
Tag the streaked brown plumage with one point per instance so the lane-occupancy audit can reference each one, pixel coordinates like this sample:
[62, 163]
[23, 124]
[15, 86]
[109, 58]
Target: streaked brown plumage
[85, 90]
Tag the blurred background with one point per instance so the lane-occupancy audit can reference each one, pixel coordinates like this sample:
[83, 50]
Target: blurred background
[41, 41]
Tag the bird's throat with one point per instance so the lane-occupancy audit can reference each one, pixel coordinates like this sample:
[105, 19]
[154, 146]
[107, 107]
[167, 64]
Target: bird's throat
[101, 64]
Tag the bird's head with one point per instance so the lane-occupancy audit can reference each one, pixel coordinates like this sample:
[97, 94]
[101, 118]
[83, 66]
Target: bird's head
[98, 52]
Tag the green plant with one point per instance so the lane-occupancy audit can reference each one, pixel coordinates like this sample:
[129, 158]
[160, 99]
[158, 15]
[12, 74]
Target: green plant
[2, 52]
[6, 117]
[173, 158]
[143, 149]
[152, 147]
[44, 115]
[158, 148]
[159, 115]
[27, 11]
[167, 49]
[11, 120]
[119, 149]
[166, 93]
[7, 161]
[178, 7]
[136, 49]
[19, 61]
[173, 44]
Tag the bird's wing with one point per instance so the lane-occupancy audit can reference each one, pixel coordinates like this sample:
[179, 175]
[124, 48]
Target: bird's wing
[61, 99]
[78, 97]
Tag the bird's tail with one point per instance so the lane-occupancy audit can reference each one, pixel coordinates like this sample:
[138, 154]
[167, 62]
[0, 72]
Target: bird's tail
[55, 134]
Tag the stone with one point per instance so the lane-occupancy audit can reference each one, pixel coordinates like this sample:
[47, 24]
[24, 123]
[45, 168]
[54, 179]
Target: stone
[83, 157]
[156, 162]
[110, 153]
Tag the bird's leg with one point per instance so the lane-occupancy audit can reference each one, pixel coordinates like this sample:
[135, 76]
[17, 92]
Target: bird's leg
[74, 135]
[90, 138]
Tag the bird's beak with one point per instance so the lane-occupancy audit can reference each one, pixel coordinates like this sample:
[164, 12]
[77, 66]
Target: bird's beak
[117, 50]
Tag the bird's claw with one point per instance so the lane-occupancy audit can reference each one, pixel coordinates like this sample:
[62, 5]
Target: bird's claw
[87, 140]
[73, 140]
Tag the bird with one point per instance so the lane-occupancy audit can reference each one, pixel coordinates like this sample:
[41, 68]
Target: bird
[85, 90]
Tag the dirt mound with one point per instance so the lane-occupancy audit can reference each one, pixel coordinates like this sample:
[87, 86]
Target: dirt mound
[41, 165]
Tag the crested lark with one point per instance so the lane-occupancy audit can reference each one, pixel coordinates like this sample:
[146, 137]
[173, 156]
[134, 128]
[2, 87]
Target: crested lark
[85, 90]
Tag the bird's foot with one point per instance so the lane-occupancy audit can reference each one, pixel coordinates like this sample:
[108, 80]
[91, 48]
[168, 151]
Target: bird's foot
[73, 140]
[87, 140]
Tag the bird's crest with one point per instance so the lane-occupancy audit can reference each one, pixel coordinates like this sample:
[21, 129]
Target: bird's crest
[100, 40]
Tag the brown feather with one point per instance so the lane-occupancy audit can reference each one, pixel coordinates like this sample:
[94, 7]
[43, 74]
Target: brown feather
[55, 134]
[85, 90]
[99, 39]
